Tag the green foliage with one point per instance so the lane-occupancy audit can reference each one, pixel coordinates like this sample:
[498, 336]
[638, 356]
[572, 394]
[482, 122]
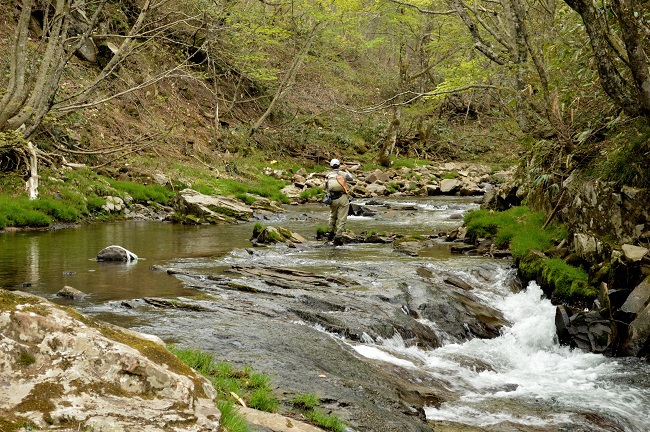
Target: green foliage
[231, 420]
[264, 400]
[325, 421]
[567, 281]
[251, 386]
[308, 193]
[450, 175]
[57, 209]
[264, 186]
[321, 232]
[143, 193]
[26, 359]
[246, 198]
[308, 406]
[21, 213]
[628, 165]
[517, 228]
[306, 401]
[521, 230]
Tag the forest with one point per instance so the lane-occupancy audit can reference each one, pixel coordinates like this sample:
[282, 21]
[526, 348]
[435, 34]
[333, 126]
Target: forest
[113, 82]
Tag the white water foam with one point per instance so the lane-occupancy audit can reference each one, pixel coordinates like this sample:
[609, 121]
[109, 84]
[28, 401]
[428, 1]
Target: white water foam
[523, 376]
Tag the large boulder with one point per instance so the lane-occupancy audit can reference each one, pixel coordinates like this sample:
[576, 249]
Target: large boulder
[587, 330]
[64, 371]
[637, 342]
[637, 306]
[450, 186]
[194, 207]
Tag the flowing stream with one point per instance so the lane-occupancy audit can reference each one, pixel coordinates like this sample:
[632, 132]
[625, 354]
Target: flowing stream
[521, 380]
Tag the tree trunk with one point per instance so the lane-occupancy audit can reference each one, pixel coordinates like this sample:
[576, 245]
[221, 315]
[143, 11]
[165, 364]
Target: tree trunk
[32, 183]
[622, 93]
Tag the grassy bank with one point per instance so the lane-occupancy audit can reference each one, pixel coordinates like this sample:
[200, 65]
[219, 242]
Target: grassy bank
[254, 389]
[533, 247]
[81, 194]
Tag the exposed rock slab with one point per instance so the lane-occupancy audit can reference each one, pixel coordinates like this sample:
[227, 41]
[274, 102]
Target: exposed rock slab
[60, 369]
[194, 207]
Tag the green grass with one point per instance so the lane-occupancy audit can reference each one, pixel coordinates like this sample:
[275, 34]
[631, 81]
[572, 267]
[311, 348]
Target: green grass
[308, 404]
[253, 387]
[307, 401]
[520, 229]
[143, 193]
[311, 192]
[450, 175]
[329, 422]
[264, 186]
[231, 420]
[567, 281]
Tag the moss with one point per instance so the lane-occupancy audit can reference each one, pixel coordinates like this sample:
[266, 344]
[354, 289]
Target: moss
[9, 301]
[40, 399]
[149, 349]
[14, 423]
[25, 359]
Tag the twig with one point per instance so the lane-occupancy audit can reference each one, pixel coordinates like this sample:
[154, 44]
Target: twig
[557, 207]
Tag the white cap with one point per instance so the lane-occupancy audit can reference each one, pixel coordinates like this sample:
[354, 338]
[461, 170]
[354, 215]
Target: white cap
[335, 163]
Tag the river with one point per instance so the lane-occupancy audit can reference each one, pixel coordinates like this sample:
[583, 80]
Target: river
[521, 380]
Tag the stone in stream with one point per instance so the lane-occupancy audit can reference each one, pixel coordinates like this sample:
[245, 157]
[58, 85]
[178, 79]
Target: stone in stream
[116, 253]
[71, 293]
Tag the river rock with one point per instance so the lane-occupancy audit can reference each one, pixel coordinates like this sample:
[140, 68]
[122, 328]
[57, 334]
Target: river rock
[196, 208]
[432, 189]
[62, 371]
[266, 205]
[586, 330]
[450, 186]
[375, 189]
[71, 293]
[634, 253]
[638, 299]
[637, 342]
[292, 191]
[116, 253]
[113, 204]
[270, 234]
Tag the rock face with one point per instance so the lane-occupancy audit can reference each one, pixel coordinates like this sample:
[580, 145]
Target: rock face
[195, 208]
[61, 370]
[609, 238]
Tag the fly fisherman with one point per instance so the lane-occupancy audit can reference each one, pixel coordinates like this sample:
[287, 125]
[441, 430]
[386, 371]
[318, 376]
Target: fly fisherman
[336, 185]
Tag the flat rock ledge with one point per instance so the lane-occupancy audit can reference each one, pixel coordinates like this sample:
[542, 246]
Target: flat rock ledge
[61, 370]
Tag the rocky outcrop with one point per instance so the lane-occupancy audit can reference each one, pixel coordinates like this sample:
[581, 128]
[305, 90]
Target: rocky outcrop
[193, 207]
[65, 371]
[609, 237]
